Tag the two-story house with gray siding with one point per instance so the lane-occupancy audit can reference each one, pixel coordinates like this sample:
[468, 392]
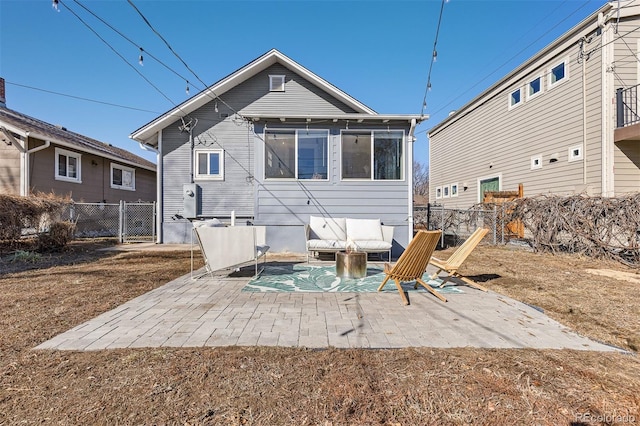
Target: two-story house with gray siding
[273, 144]
[550, 124]
[36, 156]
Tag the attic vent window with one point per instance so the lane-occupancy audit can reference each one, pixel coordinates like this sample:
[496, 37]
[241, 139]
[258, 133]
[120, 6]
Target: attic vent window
[276, 83]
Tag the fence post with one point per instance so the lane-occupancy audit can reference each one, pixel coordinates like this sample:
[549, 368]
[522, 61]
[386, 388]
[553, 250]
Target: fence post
[502, 207]
[121, 227]
[495, 224]
[153, 226]
[442, 227]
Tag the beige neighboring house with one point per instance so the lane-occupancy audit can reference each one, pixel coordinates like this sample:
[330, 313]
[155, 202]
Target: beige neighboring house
[564, 122]
[36, 156]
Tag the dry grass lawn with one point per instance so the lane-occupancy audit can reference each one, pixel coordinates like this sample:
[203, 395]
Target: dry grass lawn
[41, 297]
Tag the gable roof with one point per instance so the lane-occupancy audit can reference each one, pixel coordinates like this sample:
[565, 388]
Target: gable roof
[25, 125]
[227, 83]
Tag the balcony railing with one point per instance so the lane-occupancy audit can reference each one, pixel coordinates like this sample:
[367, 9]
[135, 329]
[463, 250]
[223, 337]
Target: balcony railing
[627, 106]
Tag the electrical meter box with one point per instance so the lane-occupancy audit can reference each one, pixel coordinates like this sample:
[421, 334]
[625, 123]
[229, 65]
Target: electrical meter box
[191, 200]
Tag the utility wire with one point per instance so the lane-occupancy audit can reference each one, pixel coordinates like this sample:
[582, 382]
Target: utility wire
[215, 96]
[81, 98]
[507, 61]
[131, 41]
[116, 52]
[434, 54]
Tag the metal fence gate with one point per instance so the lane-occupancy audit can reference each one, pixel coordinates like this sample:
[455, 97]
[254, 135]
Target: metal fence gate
[129, 222]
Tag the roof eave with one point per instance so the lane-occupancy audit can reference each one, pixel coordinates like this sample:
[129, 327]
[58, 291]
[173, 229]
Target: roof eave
[56, 141]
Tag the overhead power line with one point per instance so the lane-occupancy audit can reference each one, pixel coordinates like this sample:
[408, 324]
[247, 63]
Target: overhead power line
[116, 52]
[81, 98]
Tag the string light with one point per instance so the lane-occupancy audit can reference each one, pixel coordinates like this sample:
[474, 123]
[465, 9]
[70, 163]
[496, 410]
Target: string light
[54, 4]
[434, 56]
[187, 89]
[141, 58]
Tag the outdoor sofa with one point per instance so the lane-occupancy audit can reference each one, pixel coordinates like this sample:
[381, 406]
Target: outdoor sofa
[327, 234]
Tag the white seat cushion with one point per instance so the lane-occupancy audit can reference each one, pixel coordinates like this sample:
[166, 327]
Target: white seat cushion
[364, 229]
[321, 245]
[373, 245]
[326, 228]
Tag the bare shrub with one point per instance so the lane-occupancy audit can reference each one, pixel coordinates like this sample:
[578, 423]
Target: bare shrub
[58, 236]
[35, 212]
[599, 227]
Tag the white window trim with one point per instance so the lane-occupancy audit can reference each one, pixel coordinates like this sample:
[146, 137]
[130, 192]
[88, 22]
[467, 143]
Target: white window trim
[528, 89]
[123, 168]
[480, 179]
[197, 176]
[438, 192]
[571, 157]
[535, 166]
[280, 80]
[78, 157]
[371, 179]
[457, 187]
[551, 84]
[512, 106]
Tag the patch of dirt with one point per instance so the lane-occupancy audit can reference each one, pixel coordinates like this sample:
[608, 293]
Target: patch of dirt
[632, 277]
[297, 386]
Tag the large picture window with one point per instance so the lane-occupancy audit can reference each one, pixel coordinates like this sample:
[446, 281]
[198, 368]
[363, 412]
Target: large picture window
[123, 177]
[68, 165]
[209, 164]
[296, 154]
[376, 155]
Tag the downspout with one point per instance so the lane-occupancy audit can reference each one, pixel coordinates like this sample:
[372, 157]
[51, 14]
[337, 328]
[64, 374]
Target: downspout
[410, 141]
[584, 122]
[607, 174]
[158, 184]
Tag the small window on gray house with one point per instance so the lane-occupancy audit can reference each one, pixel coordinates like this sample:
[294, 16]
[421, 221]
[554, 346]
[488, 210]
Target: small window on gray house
[454, 189]
[557, 74]
[534, 88]
[575, 153]
[438, 192]
[536, 162]
[276, 83]
[209, 164]
[515, 98]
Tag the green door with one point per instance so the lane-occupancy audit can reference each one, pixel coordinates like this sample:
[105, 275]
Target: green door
[491, 184]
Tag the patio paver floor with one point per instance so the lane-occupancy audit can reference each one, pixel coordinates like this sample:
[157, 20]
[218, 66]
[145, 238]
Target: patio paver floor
[215, 312]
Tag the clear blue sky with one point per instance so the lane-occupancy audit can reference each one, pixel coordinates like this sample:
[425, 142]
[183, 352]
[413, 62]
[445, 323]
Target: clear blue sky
[376, 51]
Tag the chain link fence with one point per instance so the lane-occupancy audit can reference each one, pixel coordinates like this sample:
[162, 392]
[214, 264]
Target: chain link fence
[458, 224]
[130, 222]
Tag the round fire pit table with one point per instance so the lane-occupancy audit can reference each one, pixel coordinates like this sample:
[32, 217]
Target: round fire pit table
[351, 265]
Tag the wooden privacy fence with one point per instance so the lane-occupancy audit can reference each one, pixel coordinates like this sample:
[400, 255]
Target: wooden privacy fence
[514, 228]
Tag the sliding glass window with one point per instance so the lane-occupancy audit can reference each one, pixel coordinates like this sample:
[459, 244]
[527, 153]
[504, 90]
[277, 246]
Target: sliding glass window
[299, 154]
[376, 155]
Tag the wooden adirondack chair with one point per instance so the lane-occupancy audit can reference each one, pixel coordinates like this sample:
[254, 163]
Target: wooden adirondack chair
[454, 262]
[412, 264]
